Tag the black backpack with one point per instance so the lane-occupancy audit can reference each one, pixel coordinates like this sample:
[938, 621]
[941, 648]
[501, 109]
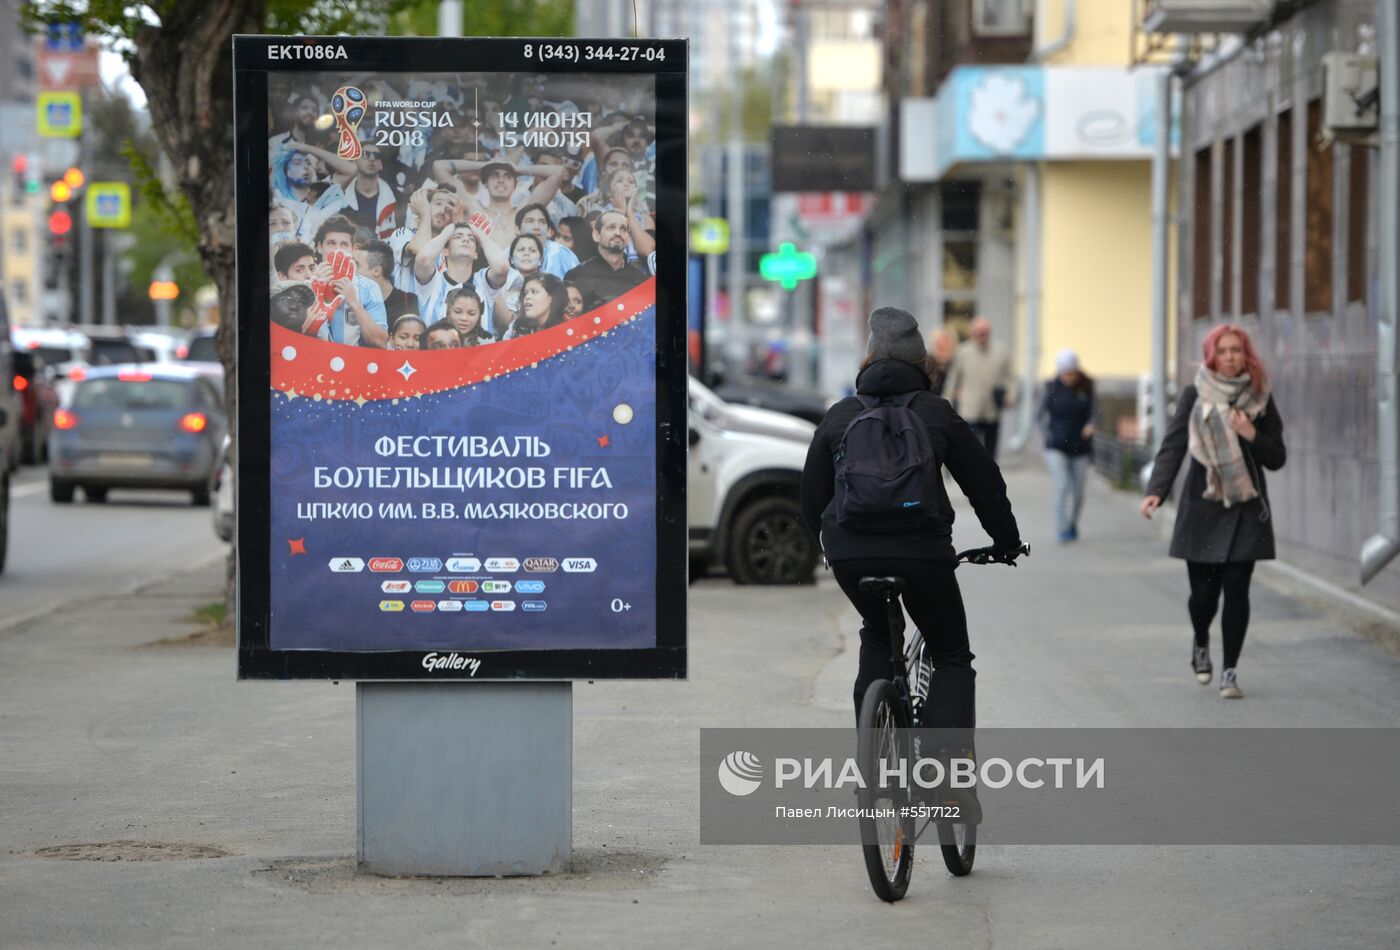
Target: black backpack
[886, 473]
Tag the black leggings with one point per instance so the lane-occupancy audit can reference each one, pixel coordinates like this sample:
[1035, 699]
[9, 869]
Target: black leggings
[1207, 583]
[934, 603]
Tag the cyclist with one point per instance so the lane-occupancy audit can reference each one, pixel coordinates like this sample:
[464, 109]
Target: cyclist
[895, 365]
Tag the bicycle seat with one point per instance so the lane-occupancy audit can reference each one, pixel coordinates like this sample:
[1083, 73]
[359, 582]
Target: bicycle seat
[882, 586]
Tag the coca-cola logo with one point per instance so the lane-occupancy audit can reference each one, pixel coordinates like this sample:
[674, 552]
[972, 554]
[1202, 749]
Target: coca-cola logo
[386, 565]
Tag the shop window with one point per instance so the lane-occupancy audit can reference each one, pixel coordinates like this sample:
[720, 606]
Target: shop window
[960, 264]
[1358, 213]
[1201, 227]
[1317, 243]
[1251, 181]
[1283, 215]
[1227, 230]
[962, 202]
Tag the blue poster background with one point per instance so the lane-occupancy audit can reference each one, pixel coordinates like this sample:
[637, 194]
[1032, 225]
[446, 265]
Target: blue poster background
[569, 402]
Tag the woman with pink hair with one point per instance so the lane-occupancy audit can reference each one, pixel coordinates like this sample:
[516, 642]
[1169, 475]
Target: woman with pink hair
[1228, 423]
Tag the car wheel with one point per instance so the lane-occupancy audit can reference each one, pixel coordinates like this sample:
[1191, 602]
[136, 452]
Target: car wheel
[200, 496]
[769, 544]
[61, 492]
[95, 493]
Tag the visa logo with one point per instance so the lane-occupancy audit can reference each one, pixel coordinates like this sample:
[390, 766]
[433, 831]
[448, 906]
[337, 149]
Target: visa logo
[529, 587]
[580, 565]
[533, 606]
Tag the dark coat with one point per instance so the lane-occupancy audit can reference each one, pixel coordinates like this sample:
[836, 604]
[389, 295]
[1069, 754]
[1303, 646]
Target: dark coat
[954, 446]
[1207, 531]
[1063, 413]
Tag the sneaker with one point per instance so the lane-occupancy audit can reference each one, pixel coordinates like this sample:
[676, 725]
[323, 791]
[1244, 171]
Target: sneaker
[1229, 685]
[1200, 663]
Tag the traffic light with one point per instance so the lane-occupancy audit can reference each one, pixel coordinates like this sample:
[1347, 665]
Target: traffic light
[60, 223]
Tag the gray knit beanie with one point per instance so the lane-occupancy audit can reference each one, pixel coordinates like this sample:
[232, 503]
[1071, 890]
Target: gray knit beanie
[894, 335]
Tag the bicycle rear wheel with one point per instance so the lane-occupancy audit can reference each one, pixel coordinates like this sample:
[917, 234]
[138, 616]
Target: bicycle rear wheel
[958, 842]
[888, 842]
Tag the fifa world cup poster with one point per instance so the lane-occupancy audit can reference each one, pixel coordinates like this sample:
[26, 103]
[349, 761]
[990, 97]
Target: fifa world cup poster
[461, 358]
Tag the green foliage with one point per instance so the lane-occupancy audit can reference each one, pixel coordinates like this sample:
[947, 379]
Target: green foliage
[119, 20]
[492, 18]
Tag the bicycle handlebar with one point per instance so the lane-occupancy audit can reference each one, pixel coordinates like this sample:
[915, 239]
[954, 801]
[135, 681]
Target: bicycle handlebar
[994, 556]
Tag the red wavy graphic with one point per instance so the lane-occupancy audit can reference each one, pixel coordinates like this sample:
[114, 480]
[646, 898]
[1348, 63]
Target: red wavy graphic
[317, 369]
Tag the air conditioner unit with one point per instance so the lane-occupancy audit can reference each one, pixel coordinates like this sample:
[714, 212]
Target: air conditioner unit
[1205, 16]
[1351, 100]
[1002, 17]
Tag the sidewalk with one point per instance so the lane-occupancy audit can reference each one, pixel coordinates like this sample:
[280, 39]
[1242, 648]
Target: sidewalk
[107, 740]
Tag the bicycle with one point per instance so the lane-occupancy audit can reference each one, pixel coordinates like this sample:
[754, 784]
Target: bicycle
[887, 715]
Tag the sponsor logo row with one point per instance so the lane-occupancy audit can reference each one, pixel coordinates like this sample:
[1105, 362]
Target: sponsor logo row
[458, 606]
[463, 565]
[462, 587]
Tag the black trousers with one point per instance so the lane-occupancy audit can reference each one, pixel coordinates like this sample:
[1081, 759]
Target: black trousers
[1208, 583]
[934, 603]
[987, 432]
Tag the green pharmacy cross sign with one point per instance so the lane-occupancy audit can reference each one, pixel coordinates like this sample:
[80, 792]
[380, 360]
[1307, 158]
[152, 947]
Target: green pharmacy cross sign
[788, 266]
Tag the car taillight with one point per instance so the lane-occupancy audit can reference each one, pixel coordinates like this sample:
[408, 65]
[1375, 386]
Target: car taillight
[77, 374]
[63, 419]
[194, 422]
[182, 351]
[134, 376]
[21, 384]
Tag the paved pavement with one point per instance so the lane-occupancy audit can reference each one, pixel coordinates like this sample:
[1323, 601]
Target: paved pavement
[104, 738]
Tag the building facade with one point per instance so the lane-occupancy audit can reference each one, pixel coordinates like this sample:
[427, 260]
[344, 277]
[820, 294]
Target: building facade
[1279, 233]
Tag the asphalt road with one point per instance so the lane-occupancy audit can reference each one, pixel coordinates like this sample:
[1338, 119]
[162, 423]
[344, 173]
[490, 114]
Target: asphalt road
[61, 555]
[105, 739]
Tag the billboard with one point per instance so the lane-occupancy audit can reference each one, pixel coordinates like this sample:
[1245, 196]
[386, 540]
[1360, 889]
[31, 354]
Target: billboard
[823, 158]
[462, 357]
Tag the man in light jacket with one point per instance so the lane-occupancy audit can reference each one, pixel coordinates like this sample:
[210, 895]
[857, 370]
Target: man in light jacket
[982, 383]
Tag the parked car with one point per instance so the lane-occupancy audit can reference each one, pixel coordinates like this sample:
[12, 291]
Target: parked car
[111, 346]
[10, 409]
[136, 426]
[162, 342]
[64, 351]
[199, 346]
[777, 397]
[745, 469]
[221, 491]
[38, 398]
[4, 504]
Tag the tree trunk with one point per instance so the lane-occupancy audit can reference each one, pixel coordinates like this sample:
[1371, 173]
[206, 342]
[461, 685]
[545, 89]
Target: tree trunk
[185, 67]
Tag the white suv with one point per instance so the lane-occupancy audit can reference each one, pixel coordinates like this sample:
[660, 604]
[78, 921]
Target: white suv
[745, 469]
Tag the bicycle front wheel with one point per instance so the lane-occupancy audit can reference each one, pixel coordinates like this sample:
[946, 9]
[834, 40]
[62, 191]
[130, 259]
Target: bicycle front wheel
[888, 842]
[958, 842]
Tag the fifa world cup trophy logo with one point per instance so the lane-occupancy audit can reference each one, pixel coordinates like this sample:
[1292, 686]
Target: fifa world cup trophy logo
[348, 107]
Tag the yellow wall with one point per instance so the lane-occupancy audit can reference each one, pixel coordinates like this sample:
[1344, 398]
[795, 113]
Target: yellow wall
[1103, 35]
[1096, 277]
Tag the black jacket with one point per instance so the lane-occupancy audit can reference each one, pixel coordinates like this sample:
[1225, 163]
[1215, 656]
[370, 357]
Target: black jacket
[954, 446]
[1063, 413]
[1207, 531]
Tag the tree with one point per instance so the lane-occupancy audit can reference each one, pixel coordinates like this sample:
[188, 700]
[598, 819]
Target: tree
[181, 53]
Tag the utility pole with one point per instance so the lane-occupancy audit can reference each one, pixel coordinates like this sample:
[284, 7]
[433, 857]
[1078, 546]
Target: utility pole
[738, 247]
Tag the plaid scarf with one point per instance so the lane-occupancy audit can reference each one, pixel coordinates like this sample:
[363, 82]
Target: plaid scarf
[1217, 446]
